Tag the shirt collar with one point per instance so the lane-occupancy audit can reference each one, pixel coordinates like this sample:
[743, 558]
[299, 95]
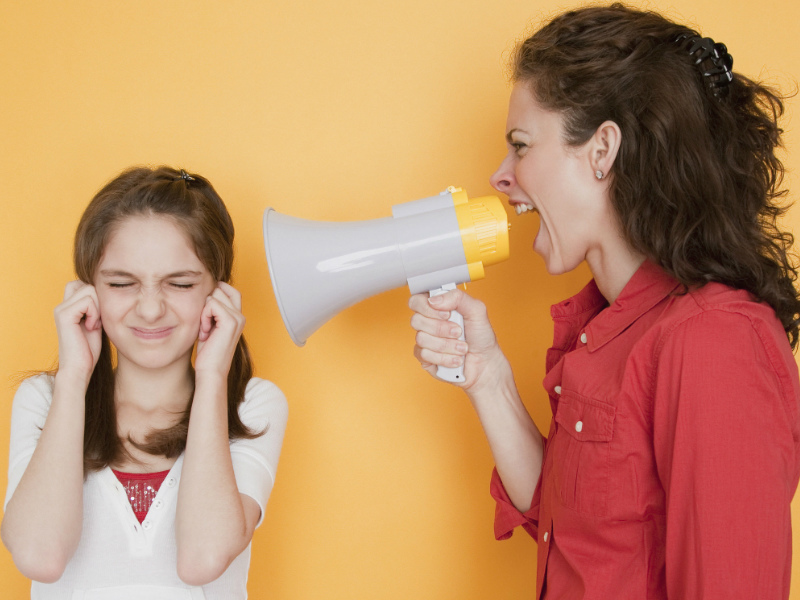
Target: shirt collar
[589, 310]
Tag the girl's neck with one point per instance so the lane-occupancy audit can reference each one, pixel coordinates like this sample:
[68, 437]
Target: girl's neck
[165, 390]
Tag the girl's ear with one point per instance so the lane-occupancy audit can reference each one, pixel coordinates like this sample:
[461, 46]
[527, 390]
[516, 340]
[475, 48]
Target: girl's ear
[604, 145]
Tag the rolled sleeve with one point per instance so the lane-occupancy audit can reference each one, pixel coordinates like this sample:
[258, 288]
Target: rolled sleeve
[507, 517]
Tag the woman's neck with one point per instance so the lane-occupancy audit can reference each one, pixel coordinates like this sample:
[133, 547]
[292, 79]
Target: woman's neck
[613, 266]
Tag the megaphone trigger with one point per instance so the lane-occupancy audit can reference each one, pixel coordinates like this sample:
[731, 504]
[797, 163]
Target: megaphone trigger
[451, 374]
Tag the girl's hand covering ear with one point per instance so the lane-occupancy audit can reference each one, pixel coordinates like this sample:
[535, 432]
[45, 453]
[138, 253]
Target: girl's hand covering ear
[221, 326]
[80, 331]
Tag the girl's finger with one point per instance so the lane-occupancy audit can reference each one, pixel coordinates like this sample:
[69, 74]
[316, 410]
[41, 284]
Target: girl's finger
[206, 320]
[231, 293]
[223, 298]
[71, 288]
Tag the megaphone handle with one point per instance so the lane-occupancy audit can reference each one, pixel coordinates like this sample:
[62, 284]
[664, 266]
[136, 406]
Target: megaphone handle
[451, 374]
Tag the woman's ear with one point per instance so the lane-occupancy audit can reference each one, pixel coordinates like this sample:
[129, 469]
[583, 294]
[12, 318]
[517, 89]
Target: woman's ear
[604, 147]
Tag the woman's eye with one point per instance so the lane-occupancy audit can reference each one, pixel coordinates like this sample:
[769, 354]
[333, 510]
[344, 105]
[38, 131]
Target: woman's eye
[518, 146]
[119, 285]
[182, 286]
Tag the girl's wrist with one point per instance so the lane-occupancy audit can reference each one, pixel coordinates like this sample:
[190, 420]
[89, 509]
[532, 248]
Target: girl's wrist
[210, 379]
[67, 379]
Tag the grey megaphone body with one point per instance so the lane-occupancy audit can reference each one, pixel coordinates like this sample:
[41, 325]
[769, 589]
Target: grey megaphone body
[320, 268]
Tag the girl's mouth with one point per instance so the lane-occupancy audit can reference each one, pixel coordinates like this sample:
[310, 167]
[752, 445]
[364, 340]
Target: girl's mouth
[152, 334]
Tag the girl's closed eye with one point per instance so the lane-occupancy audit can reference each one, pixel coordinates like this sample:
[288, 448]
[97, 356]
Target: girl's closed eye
[182, 286]
[120, 284]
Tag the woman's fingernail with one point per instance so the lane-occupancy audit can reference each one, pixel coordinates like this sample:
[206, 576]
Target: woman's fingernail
[435, 300]
[461, 347]
[456, 361]
[455, 331]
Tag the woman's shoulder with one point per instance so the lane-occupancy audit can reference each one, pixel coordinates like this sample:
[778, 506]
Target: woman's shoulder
[716, 315]
[717, 306]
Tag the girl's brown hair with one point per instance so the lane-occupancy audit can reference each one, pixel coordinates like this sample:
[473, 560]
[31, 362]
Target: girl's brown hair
[197, 208]
[696, 184]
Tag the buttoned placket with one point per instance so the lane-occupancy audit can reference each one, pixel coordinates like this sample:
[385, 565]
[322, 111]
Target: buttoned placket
[141, 535]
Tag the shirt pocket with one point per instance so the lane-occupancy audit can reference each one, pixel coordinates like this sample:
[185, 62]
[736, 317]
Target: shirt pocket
[580, 452]
[140, 592]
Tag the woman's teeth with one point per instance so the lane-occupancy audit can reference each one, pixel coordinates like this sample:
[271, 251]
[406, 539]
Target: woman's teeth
[523, 208]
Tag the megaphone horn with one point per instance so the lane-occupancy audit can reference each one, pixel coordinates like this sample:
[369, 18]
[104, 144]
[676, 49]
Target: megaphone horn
[320, 268]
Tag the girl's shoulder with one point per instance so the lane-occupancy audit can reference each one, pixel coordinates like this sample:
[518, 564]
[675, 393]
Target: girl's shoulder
[262, 398]
[36, 388]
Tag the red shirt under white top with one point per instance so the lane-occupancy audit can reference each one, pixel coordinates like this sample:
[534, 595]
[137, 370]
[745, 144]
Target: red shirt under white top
[674, 449]
[141, 489]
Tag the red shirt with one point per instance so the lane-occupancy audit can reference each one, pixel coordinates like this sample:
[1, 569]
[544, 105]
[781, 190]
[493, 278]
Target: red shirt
[674, 449]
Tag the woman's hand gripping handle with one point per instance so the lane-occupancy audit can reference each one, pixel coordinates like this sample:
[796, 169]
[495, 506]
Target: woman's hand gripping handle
[451, 374]
[454, 333]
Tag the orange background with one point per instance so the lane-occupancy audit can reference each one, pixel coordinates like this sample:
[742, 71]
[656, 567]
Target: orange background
[328, 110]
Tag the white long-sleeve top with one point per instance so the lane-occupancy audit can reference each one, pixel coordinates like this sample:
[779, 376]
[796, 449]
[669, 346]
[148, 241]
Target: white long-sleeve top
[117, 557]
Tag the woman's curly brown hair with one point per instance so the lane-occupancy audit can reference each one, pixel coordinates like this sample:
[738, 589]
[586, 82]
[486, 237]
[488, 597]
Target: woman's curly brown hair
[696, 184]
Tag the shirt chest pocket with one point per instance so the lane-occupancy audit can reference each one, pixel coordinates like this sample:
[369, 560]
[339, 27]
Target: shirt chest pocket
[580, 452]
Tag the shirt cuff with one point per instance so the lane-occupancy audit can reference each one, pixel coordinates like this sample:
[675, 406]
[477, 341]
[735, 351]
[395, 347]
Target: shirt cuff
[507, 516]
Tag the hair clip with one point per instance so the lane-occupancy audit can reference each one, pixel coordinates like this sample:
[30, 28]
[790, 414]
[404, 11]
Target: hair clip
[713, 60]
[186, 176]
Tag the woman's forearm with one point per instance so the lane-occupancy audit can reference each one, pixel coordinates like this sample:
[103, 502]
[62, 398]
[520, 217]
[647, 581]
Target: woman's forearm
[513, 437]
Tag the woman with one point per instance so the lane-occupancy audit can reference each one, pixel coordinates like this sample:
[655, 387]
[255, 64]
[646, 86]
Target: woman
[674, 449]
[137, 473]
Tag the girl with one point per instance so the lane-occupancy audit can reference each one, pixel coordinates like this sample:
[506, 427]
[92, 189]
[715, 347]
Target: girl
[674, 449]
[134, 473]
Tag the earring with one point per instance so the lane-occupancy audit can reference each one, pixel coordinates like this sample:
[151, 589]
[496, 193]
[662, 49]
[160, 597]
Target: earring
[598, 174]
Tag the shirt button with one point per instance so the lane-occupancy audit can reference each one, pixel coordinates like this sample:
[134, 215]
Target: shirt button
[557, 390]
[157, 504]
[546, 535]
[147, 525]
[579, 426]
[171, 481]
[583, 338]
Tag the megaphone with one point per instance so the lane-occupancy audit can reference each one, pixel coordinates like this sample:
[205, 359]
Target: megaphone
[320, 268]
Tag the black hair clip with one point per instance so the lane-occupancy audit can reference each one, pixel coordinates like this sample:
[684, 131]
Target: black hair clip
[186, 176]
[713, 60]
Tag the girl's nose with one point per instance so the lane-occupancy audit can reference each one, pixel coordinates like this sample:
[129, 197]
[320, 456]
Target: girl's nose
[150, 305]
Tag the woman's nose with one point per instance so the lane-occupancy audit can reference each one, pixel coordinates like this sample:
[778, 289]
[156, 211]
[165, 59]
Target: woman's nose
[503, 179]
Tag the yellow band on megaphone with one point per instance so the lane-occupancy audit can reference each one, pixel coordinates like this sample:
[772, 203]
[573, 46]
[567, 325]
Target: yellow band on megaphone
[484, 230]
